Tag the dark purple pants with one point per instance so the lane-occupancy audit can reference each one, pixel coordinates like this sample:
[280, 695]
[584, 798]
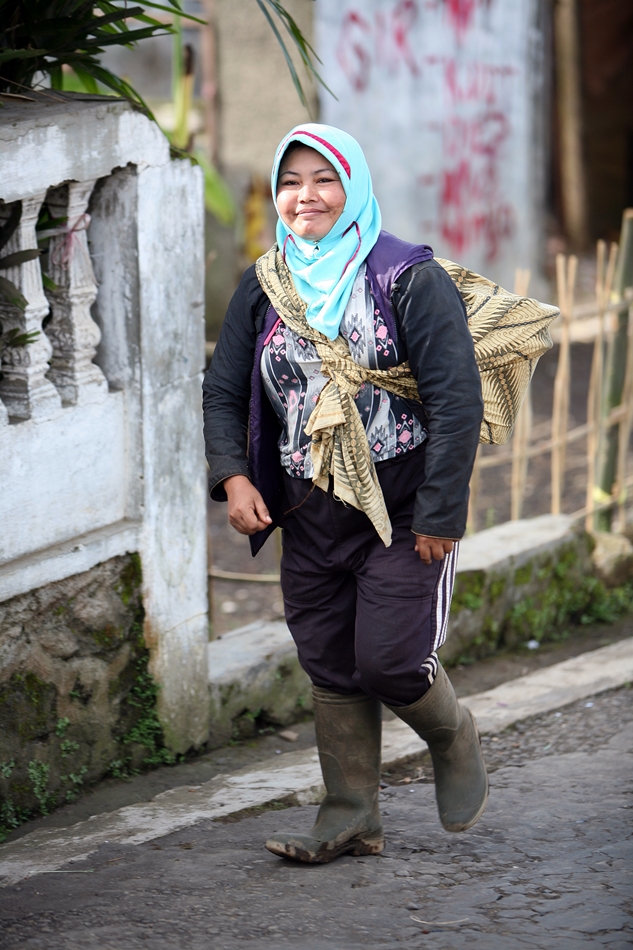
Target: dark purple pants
[364, 617]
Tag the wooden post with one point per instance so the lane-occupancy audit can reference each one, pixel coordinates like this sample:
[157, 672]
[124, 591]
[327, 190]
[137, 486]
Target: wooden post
[566, 281]
[569, 101]
[523, 425]
[615, 370]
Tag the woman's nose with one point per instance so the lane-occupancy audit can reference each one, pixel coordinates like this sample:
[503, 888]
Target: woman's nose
[307, 192]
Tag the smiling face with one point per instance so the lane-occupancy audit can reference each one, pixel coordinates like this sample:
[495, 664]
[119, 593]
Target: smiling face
[310, 196]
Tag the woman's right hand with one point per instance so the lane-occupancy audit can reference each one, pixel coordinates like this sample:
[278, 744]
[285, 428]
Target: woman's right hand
[247, 510]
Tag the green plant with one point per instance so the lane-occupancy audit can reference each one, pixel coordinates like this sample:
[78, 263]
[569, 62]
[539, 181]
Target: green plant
[50, 37]
[77, 778]
[8, 290]
[61, 727]
[147, 731]
[38, 773]
[6, 768]
[302, 46]
[40, 37]
[68, 747]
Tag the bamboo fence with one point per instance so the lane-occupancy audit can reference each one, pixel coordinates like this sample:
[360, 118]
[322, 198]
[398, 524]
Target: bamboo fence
[598, 319]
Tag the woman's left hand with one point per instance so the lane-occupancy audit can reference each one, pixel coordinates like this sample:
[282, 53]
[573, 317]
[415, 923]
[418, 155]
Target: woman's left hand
[432, 548]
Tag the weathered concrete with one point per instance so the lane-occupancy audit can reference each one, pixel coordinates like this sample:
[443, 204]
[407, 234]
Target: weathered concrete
[67, 559]
[295, 776]
[173, 537]
[254, 678]
[612, 558]
[81, 137]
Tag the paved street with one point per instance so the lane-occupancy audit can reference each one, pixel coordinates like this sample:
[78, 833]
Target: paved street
[548, 866]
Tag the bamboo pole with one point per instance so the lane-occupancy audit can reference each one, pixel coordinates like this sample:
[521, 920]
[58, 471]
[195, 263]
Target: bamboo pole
[566, 281]
[547, 445]
[604, 280]
[520, 457]
[523, 426]
[569, 102]
[625, 428]
[615, 369]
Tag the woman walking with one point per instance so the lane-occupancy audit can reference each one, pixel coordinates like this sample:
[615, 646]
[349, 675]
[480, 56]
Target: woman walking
[344, 403]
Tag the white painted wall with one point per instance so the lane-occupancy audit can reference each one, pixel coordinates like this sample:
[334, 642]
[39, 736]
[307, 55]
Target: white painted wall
[123, 468]
[447, 101]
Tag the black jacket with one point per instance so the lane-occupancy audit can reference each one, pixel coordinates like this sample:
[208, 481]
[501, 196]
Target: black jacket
[432, 333]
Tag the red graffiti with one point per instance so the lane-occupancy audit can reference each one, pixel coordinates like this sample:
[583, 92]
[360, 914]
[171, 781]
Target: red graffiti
[478, 82]
[483, 135]
[385, 43]
[461, 14]
[471, 208]
[472, 119]
[403, 19]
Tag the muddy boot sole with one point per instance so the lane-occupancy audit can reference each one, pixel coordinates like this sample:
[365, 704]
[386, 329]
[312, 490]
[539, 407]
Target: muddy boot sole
[299, 848]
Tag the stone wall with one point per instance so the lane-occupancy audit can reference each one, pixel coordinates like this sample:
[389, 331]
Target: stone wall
[76, 700]
[507, 594]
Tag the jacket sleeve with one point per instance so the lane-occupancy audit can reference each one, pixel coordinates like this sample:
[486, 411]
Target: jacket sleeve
[226, 388]
[432, 320]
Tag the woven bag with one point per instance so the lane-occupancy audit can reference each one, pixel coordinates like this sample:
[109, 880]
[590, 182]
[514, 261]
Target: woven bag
[510, 334]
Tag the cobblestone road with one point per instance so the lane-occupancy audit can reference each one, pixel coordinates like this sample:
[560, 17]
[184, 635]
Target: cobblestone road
[548, 866]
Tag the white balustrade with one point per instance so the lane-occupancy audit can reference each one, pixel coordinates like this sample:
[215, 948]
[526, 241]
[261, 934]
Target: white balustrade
[72, 331]
[100, 460]
[24, 388]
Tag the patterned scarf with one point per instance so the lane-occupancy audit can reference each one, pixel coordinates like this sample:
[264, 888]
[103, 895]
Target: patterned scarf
[339, 443]
[510, 333]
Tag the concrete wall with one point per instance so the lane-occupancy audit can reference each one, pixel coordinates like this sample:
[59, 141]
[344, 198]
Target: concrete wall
[448, 101]
[102, 454]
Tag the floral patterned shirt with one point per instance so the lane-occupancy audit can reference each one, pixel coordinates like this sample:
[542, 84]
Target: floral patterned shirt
[291, 372]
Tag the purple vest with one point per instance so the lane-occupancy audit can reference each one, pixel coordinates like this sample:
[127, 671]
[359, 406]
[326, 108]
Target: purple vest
[388, 259]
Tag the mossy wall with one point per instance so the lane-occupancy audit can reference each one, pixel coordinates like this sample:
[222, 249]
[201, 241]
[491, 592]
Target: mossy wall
[76, 700]
[535, 597]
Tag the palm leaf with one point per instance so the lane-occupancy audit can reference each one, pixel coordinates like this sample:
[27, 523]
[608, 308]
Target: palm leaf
[19, 257]
[10, 292]
[9, 227]
[303, 47]
[15, 338]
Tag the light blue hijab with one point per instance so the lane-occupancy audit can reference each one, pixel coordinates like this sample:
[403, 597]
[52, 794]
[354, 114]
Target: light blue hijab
[323, 272]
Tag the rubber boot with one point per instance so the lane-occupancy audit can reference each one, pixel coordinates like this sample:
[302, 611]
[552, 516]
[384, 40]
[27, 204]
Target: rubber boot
[348, 731]
[450, 730]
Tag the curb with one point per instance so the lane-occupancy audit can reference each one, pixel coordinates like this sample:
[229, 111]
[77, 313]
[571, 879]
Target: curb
[295, 778]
